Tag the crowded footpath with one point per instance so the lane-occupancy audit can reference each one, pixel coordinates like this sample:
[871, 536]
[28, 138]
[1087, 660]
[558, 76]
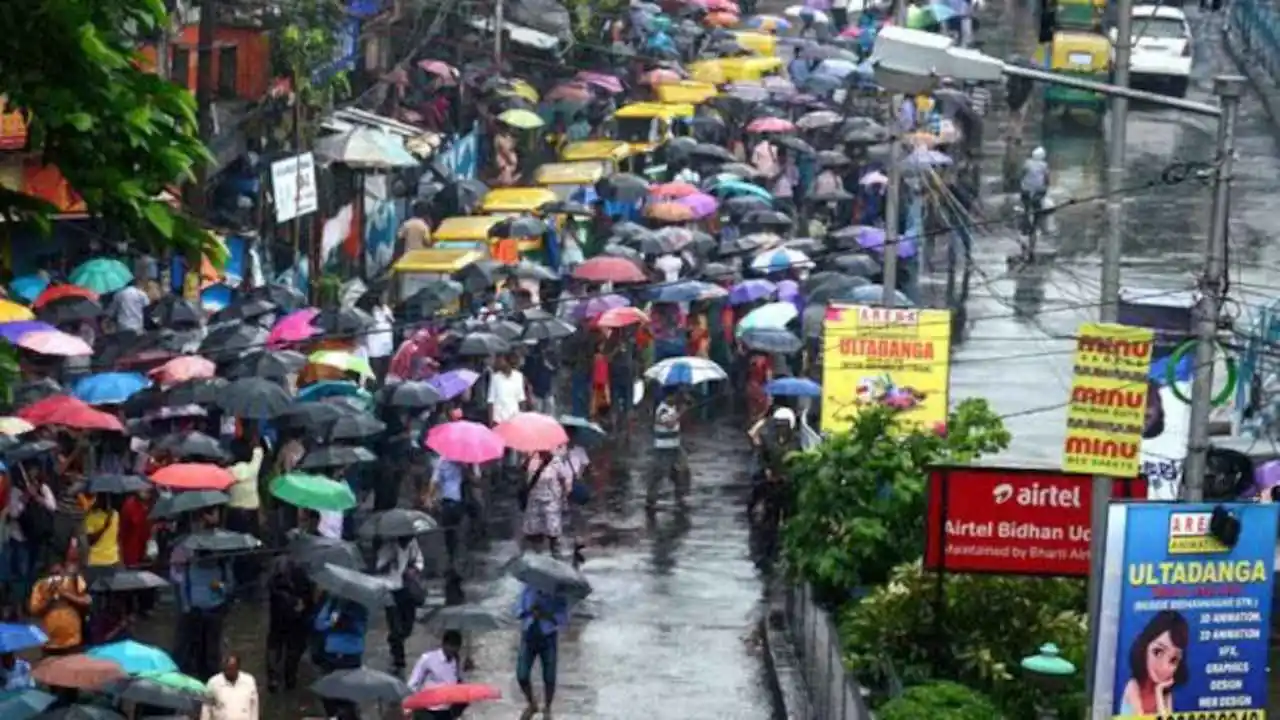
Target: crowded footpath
[669, 266]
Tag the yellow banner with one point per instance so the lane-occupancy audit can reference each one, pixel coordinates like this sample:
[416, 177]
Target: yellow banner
[885, 356]
[1107, 408]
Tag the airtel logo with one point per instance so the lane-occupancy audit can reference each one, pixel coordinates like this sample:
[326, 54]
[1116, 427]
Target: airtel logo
[1035, 495]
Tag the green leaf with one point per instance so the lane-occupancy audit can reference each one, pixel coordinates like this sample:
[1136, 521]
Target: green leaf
[80, 121]
[161, 218]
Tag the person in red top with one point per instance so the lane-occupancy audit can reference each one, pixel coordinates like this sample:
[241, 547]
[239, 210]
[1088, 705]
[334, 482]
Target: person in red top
[759, 373]
[135, 532]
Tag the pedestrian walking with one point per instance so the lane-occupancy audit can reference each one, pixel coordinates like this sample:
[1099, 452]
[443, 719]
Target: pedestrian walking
[289, 621]
[60, 601]
[342, 626]
[543, 617]
[401, 563]
[204, 589]
[439, 667]
[245, 505]
[669, 458]
[549, 481]
[233, 694]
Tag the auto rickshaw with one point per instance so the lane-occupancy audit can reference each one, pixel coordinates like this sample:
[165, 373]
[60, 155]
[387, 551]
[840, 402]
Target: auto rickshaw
[418, 268]
[647, 125]
[567, 178]
[1080, 14]
[689, 92]
[1081, 54]
[615, 152]
[475, 232]
[739, 69]
[760, 43]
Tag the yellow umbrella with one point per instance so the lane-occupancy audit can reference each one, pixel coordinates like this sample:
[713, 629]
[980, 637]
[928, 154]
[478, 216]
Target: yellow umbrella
[11, 311]
[10, 425]
[524, 90]
[344, 361]
[523, 119]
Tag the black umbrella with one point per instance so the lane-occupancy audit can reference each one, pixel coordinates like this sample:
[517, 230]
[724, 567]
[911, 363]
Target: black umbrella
[772, 341]
[565, 207]
[315, 551]
[818, 278]
[145, 691]
[174, 311]
[397, 523]
[199, 391]
[526, 270]
[467, 618]
[481, 344]
[194, 446]
[582, 431]
[361, 686]
[505, 329]
[346, 321]
[858, 264]
[311, 415]
[431, 299]
[835, 288]
[832, 158]
[34, 391]
[335, 456]
[80, 712]
[865, 136]
[284, 297]
[626, 229]
[478, 275]
[521, 226]
[767, 218]
[372, 591]
[550, 575]
[69, 310]
[29, 451]
[254, 398]
[244, 309]
[794, 143]
[411, 394]
[831, 195]
[269, 364]
[622, 251]
[218, 540]
[232, 340]
[354, 427]
[548, 329]
[144, 401]
[718, 271]
[129, 581]
[650, 244]
[625, 187]
[743, 204]
[111, 484]
[711, 153]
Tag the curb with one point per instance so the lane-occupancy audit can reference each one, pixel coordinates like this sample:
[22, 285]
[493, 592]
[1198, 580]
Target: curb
[1264, 87]
[786, 683]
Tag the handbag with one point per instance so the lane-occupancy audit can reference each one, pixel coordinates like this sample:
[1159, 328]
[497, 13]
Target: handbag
[414, 588]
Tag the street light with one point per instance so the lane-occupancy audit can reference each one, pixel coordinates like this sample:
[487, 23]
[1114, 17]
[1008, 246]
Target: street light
[1050, 673]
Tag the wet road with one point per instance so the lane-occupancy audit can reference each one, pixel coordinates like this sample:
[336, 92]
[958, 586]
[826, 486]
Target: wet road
[668, 629]
[1021, 360]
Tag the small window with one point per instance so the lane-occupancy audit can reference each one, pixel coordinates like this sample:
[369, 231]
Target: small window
[227, 71]
[180, 66]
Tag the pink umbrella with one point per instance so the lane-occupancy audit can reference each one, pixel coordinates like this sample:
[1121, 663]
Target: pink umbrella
[294, 327]
[852, 31]
[446, 72]
[723, 6]
[661, 76]
[532, 432]
[465, 442]
[604, 81]
[702, 205]
[770, 125]
[673, 190]
[55, 342]
[181, 369]
[415, 359]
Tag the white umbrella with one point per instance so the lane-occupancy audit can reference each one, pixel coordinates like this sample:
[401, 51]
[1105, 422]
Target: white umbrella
[685, 371]
[780, 260]
[364, 148]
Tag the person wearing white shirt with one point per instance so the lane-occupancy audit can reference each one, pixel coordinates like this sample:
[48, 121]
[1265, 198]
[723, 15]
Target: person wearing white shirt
[670, 267]
[435, 668]
[400, 563]
[507, 395]
[128, 308]
[234, 694]
[378, 343]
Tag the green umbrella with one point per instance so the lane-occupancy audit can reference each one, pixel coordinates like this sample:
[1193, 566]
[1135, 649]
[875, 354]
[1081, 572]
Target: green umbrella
[919, 18]
[102, 275]
[313, 492]
[176, 681]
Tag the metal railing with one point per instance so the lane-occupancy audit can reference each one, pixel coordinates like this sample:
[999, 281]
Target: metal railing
[1256, 26]
[833, 694]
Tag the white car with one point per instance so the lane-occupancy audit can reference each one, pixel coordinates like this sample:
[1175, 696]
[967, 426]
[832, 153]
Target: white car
[1162, 49]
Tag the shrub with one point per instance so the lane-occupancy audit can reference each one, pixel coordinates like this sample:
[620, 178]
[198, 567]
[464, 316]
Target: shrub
[989, 623]
[859, 502]
[940, 700]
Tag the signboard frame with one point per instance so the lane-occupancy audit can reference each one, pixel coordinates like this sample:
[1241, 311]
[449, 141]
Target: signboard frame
[294, 192]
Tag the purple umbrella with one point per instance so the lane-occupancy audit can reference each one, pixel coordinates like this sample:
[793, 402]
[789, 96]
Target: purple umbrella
[872, 238]
[749, 291]
[789, 291]
[702, 205]
[1265, 477]
[453, 383]
[599, 305]
[11, 331]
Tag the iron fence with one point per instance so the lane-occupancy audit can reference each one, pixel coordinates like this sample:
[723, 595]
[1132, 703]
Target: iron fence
[1256, 26]
[832, 692]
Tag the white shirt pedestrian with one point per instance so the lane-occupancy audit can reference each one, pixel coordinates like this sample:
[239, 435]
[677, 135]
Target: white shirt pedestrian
[128, 308]
[433, 669]
[379, 341]
[232, 700]
[506, 394]
[670, 267]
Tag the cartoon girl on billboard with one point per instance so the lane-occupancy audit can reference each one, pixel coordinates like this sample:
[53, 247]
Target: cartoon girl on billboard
[1156, 666]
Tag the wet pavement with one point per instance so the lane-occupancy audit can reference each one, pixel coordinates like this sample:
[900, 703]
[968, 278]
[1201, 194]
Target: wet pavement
[668, 629]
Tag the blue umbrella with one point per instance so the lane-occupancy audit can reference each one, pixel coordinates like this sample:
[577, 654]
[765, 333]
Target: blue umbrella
[12, 331]
[29, 287]
[941, 12]
[793, 387]
[685, 371]
[837, 67]
[109, 388]
[873, 294]
[16, 637]
[683, 291]
[738, 187]
[24, 704]
[749, 291]
[134, 657]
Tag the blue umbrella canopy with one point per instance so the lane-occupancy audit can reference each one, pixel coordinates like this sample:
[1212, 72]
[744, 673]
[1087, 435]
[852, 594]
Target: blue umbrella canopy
[109, 388]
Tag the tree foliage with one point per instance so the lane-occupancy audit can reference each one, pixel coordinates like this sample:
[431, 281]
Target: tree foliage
[119, 133]
[305, 48]
[940, 701]
[860, 496]
[988, 624]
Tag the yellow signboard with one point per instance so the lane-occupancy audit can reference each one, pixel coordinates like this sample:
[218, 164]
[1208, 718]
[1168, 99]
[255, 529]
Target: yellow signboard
[1107, 411]
[885, 356]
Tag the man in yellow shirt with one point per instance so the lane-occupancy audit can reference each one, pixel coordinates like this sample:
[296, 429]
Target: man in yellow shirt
[102, 532]
[60, 600]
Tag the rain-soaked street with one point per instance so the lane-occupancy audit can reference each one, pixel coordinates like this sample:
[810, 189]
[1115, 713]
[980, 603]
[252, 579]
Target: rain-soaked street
[670, 621]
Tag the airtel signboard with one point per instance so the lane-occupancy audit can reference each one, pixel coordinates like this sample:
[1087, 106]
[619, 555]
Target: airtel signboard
[1012, 521]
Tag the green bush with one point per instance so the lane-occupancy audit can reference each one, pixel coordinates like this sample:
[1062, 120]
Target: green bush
[940, 701]
[859, 503]
[989, 623]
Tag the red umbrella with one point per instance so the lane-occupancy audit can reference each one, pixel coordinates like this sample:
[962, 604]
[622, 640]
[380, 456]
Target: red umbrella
[71, 412]
[532, 432]
[604, 268]
[622, 317]
[38, 412]
[193, 476]
[456, 694]
[60, 292]
[79, 672]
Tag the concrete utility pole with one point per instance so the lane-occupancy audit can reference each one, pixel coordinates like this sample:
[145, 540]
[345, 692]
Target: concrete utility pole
[205, 35]
[893, 194]
[1212, 284]
[1109, 312]
[498, 9]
